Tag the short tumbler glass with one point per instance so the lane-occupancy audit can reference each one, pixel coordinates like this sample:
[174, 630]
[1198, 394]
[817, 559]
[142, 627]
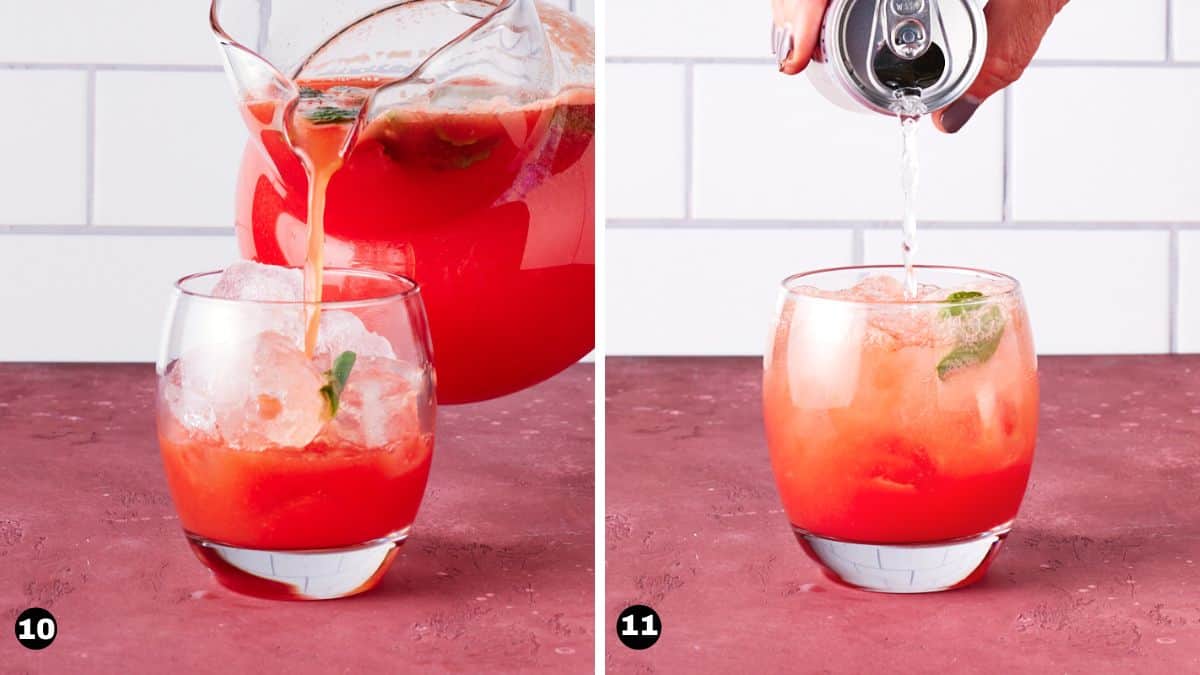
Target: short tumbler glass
[901, 427]
[296, 475]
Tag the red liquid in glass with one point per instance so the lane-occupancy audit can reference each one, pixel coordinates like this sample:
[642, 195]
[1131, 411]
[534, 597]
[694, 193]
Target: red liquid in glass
[907, 458]
[316, 497]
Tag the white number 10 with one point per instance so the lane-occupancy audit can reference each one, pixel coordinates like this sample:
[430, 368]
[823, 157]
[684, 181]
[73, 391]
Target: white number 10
[45, 629]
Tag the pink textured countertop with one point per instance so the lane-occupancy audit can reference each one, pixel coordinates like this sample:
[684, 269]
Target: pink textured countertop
[1101, 573]
[497, 576]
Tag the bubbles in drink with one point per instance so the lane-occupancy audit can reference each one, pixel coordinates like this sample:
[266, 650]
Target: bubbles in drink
[895, 319]
[876, 288]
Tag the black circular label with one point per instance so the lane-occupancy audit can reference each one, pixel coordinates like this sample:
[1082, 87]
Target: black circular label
[36, 628]
[639, 627]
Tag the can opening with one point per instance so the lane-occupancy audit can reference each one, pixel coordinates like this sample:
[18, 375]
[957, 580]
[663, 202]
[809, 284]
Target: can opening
[919, 73]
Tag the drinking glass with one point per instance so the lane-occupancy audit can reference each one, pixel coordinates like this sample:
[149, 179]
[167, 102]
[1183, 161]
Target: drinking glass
[295, 475]
[901, 429]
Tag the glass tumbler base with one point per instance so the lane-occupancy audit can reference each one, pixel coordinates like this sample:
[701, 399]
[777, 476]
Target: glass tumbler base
[905, 568]
[317, 574]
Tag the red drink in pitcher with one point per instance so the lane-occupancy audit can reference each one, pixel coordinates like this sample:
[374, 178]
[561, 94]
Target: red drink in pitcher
[481, 206]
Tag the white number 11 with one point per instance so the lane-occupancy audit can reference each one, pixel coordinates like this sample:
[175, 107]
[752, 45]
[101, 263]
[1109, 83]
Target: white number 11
[630, 629]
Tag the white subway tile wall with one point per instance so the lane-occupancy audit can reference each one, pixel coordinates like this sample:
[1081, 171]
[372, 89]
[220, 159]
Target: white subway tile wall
[673, 29]
[1080, 180]
[106, 32]
[44, 171]
[649, 182]
[1077, 157]
[154, 165]
[706, 291]
[785, 153]
[121, 178]
[1185, 30]
[95, 297]
[1108, 30]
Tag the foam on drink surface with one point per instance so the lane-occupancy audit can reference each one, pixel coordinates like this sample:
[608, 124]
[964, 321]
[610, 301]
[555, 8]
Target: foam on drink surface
[894, 315]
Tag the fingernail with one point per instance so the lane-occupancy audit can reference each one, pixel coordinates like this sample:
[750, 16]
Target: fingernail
[959, 113]
[782, 39]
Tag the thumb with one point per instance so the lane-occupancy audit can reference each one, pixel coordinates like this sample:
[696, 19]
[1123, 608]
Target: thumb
[1015, 31]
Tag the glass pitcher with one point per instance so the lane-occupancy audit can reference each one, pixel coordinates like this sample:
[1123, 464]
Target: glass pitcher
[458, 135]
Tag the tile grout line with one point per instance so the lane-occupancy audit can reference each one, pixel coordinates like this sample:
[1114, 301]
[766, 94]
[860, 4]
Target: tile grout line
[689, 135]
[264, 25]
[89, 188]
[874, 224]
[1043, 63]
[1007, 154]
[117, 230]
[1173, 292]
[134, 67]
[1169, 42]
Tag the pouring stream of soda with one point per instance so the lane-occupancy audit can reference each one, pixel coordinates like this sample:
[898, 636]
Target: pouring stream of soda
[909, 109]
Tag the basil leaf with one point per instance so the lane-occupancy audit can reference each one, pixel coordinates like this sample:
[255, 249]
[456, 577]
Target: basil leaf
[336, 380]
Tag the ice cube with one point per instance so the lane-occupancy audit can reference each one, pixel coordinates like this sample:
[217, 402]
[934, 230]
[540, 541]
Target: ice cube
[343, 331]
[259, 285]
[891, 322]
[248, 280]
[251, 393]
[380, 404]
[269, 394]
[340, 330]
[877, 288]
[188, 402]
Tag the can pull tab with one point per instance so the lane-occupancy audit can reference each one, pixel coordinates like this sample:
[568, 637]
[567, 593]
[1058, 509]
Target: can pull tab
[906, 45]
[907, 25]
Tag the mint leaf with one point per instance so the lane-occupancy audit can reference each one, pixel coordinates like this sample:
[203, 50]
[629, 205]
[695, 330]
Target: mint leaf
[336, 377]
[963, 296]
[328, 114]
[957, 299]
[446, 137]
[309, 92]
[466, 159]
[980, 342]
